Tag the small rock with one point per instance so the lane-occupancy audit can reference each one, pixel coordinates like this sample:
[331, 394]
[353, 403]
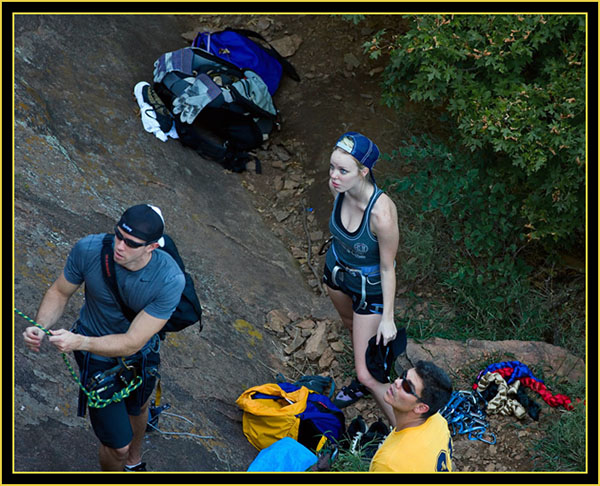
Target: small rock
[263, 24]
[337, 346]
[276, 320]
[290, 184]
[326, 359]
[316, 236]
[278, 164]
[189, 36]
[285, 194]
[316, 343]
[278, 183]
[351, 60]
[281, 153]
[287, 46]
[295, 344]
[306, 324]
[361, 405]
[281, 216]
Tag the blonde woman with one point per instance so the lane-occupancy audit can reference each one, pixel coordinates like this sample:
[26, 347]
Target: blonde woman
[359, 269]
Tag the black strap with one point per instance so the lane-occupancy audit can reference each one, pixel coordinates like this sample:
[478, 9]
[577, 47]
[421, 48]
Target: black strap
[287, 66]
[110, 277]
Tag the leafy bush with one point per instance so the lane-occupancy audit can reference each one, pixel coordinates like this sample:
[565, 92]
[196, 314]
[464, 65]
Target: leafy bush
[514, 87]
[460, 229]
[564, 447]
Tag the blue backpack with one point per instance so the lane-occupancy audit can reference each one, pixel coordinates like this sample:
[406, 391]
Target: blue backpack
[321, 417]
[236, 47]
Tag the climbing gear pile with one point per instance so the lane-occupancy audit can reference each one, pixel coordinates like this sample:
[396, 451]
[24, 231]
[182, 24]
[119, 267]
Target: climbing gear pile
[515, 370]
[465, 414]
[93, 397]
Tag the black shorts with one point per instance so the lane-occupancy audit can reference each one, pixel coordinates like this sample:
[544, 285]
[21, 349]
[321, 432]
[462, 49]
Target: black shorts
[374, 302]
[111, 423]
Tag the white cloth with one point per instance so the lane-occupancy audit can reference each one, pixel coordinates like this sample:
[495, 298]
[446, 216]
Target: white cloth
[148, 115]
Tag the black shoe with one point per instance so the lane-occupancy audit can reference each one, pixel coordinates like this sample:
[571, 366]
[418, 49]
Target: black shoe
[159, 111]
[355, 430]
[373, 438]
[139, 468]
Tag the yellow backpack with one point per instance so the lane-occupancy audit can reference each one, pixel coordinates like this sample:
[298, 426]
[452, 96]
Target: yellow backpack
[276, 410]
[267, 420]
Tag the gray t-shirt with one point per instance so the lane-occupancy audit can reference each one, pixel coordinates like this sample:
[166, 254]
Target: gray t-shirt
[156, 288]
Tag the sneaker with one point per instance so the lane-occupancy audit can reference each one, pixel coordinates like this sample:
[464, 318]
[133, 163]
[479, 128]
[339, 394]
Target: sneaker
[152, 106]
[373, 438]
[350, 394]
[353, 433]
[141, 467]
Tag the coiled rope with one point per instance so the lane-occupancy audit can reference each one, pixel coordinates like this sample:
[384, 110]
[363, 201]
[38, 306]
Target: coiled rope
[93, 398]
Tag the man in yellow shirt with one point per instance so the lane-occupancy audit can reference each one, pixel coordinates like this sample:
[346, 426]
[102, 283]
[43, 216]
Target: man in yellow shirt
[421, 441]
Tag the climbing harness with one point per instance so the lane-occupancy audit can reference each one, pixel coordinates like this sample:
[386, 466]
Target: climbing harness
[465, 414]
[101, 381]
[364, 273]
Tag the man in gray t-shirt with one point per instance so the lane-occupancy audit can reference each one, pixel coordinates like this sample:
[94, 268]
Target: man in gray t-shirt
[150, 283]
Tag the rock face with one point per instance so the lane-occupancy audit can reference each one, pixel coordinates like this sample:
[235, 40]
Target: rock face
[81, 158]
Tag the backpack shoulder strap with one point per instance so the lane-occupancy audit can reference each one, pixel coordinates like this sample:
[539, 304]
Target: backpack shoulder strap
[287, 66]
[110, 277]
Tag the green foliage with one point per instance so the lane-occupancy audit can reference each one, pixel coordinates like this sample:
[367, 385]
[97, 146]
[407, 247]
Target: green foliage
[349, 462]
[514, 87]
[461, 231]
[355, 19]
[564, 447]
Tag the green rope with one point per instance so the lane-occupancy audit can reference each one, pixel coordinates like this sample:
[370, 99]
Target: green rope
[94, 399]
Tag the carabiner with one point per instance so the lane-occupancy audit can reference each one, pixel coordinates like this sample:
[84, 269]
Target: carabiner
[491, 441]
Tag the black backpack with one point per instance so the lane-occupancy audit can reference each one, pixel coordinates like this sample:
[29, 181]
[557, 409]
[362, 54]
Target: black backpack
[236, 114]
[187, 312]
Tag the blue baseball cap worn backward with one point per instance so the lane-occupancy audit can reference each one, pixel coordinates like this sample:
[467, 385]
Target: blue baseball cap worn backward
[361, 148]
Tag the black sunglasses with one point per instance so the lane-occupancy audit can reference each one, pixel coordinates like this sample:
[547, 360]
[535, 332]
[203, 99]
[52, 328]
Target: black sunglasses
[408, 387]
[128, 242]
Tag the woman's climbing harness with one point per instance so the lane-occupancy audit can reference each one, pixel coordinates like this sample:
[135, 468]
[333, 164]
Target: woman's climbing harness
[100, 382]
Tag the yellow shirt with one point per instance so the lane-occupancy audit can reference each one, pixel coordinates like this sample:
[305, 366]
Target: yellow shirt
[424, 448]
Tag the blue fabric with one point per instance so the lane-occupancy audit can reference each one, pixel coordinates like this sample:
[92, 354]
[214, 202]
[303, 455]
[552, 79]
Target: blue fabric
[243, 53]
[327, 423]
[520, 370]
[285, 455]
